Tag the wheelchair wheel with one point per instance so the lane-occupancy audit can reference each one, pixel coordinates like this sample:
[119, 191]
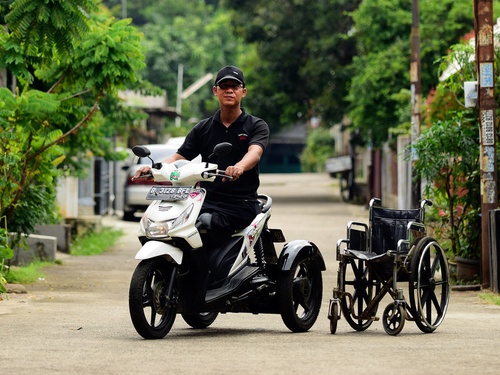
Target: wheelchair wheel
[394, 318]
[334, 317]
[362, 289]
[429, 285]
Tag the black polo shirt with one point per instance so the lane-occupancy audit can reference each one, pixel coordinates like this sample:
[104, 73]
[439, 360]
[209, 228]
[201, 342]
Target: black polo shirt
[247, 130]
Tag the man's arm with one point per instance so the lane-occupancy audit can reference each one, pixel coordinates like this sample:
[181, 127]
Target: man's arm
[145, 169]
[249, 161]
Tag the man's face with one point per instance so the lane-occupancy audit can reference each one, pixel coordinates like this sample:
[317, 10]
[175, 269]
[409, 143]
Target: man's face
[229, 92]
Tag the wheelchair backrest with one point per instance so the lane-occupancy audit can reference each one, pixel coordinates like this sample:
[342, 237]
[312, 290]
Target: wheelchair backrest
[388, 226]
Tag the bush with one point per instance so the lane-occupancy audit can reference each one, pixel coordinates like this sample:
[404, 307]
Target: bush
[448, 158]
[319, 146]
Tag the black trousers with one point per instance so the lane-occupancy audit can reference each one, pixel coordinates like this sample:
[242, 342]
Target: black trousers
[228, 217]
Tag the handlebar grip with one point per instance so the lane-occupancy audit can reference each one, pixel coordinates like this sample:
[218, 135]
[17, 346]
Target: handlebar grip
[217, 173]
[143, 176]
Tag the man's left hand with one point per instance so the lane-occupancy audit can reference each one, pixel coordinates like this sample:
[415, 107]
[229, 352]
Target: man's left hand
[234, 171]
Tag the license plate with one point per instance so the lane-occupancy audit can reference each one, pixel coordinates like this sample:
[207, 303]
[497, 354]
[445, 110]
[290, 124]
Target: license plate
[169, 193]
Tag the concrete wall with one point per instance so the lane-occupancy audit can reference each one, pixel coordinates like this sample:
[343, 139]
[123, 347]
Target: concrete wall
[34, 247]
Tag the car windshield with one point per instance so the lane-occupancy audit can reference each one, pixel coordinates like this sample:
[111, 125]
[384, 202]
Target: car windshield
[158, 155]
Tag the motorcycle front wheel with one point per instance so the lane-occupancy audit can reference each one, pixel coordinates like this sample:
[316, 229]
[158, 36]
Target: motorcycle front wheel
[153, 297]
[299, 294]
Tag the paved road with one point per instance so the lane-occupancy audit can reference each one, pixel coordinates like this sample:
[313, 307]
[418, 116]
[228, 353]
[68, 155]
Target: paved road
[76, 320]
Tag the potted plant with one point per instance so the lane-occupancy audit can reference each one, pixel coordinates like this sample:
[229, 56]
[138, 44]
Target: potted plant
[447, 157]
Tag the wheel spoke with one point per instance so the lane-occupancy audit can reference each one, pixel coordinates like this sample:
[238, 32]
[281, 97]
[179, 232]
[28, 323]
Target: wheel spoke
[436, 304]
[153, 316]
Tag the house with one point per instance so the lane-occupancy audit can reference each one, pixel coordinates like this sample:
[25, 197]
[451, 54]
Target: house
[284, 149]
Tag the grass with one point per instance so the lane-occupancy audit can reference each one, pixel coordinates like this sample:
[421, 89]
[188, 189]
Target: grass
[490, 298]
[95, 242]
[27, 274]
[91, 244]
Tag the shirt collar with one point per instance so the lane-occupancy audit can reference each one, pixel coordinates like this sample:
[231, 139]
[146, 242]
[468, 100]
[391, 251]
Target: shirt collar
[242, 117]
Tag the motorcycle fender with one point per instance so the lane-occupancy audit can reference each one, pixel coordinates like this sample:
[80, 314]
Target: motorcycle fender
[299, 248]
[152, 249]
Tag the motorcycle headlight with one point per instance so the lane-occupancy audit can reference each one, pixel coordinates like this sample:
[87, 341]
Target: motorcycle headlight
[160, 229]
[157, 229]
[183, 217]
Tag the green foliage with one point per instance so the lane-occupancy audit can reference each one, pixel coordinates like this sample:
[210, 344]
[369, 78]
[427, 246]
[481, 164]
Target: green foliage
[47, 28]
[27, 173]
[5, 253]
[381, 71]
[380, 76]
[318, 148]
[303, 51]
[51, 123]
[190, 33]
[448, 157]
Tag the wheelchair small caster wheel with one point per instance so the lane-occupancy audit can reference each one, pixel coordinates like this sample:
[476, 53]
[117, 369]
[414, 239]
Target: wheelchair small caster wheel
[334, 317]
[394, 318]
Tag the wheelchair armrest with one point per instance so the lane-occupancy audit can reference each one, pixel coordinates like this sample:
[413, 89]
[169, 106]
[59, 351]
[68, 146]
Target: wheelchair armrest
[339, 245]
[356, 224]
[414, 230]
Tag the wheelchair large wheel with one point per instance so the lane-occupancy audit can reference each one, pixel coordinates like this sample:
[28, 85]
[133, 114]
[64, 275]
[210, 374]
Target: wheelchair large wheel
[362, 289]
[429, 285]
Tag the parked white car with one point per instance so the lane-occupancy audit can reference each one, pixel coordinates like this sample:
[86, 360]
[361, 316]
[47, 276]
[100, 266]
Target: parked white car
[135, 191]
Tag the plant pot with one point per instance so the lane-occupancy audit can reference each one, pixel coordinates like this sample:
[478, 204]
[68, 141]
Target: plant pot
[467, 269]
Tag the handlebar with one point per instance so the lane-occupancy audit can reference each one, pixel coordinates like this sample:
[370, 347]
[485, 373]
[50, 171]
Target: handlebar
[217, 173]
[143, 176]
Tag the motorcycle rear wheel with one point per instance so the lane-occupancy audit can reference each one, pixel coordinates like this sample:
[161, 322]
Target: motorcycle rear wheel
[200, 320]
[153, 297]
[299, 294]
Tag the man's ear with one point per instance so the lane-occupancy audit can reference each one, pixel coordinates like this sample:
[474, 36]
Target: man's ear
[214, 90]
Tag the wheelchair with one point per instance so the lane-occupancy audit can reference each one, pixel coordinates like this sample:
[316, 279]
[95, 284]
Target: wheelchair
[376, 259]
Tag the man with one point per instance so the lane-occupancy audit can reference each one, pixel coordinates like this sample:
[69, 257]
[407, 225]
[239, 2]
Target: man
[230, 204]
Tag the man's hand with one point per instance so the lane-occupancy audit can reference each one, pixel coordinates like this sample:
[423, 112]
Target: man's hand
[142, 171]
[234, 171]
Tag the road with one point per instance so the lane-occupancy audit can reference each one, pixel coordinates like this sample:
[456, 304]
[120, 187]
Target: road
[76, 320]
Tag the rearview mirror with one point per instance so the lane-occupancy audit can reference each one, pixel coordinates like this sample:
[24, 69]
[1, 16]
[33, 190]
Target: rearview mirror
[221, 149]
[141, 151]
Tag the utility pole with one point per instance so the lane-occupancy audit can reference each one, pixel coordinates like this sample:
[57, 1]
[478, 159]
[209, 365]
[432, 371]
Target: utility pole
[178, 107]
[124, 9]
[485, 55]
[416, 94]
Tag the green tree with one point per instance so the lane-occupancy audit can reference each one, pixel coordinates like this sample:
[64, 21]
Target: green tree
[448, 156]
[303, 50]
[196, 34]
[381, 70]
[52, 121]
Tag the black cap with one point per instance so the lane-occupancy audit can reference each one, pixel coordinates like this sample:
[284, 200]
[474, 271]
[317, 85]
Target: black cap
[230, 72]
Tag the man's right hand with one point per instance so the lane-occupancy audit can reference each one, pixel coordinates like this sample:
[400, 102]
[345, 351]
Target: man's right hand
[143, 172]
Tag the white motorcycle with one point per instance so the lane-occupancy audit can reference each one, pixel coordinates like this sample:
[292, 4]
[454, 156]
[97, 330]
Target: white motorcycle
[177, 274]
